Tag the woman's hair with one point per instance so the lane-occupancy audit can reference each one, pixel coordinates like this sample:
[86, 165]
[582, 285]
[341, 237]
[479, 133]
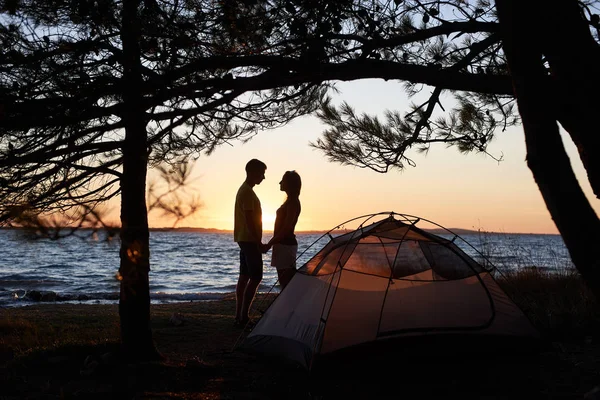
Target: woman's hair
[294, 183]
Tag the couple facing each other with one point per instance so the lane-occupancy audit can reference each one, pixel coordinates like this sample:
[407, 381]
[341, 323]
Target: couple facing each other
[247, 233]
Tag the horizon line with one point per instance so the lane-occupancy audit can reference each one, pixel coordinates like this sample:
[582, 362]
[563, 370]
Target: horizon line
[313, 231]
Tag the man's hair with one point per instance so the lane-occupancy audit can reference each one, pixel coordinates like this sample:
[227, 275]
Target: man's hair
[255, 165]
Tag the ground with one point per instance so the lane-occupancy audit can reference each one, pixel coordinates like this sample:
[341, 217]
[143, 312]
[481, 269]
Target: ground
[53, 351]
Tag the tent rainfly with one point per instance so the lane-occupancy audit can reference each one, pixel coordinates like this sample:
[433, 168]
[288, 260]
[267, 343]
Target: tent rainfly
[385, 281]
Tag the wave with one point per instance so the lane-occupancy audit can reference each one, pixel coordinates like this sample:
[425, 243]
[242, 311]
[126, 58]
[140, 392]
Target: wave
[30, 281]
[187, 296]
[53, 266]
[23, 297]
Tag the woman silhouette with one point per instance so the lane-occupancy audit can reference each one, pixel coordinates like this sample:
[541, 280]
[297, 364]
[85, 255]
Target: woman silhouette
[285, 246]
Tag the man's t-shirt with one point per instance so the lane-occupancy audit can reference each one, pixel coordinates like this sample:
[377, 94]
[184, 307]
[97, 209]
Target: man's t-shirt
[246, 200]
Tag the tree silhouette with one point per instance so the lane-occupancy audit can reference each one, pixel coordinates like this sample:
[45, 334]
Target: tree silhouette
[94, 92]
[542, 104]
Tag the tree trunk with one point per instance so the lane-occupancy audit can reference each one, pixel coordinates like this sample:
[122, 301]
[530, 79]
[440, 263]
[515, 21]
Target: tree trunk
[134, 301]
[574, 59]
[546, 157]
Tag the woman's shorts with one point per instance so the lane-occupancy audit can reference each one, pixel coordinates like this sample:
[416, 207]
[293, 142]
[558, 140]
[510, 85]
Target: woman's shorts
[284, 256]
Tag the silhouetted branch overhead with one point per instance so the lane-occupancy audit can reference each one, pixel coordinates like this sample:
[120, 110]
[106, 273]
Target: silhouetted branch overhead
[62, 101]
[201, 61]
[366, 142]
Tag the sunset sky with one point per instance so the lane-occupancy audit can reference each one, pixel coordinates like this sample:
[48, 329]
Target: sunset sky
[456, 191]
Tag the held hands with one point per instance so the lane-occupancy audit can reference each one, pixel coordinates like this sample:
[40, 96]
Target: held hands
[264, 247]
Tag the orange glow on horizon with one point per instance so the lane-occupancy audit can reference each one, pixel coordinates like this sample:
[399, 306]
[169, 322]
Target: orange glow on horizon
[455, 190]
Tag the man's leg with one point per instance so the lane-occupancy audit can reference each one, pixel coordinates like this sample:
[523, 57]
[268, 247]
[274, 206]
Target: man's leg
[242, 284]
[254, 265]
[248, 298]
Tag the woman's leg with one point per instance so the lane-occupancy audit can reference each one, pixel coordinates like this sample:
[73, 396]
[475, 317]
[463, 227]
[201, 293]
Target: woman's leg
[285, 276]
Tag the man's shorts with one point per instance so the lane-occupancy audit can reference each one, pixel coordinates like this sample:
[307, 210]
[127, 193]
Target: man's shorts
[251, 263]
[284, 256]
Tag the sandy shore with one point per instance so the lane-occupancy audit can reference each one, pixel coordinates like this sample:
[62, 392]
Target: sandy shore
[49, 350]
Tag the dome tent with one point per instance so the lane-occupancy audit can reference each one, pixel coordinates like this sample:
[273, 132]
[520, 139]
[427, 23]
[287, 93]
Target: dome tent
[383, 281]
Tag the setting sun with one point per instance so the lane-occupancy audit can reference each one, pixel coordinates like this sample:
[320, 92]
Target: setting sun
[268, 221]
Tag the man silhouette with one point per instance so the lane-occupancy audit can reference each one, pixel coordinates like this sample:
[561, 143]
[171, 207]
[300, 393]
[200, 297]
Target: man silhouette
[247, 233]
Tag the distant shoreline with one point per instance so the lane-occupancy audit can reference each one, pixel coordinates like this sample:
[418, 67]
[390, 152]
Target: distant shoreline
[436, 231]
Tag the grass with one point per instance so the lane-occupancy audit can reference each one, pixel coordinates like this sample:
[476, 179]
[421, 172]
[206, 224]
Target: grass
[31, 329]
[58, 351]
[559, 304]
